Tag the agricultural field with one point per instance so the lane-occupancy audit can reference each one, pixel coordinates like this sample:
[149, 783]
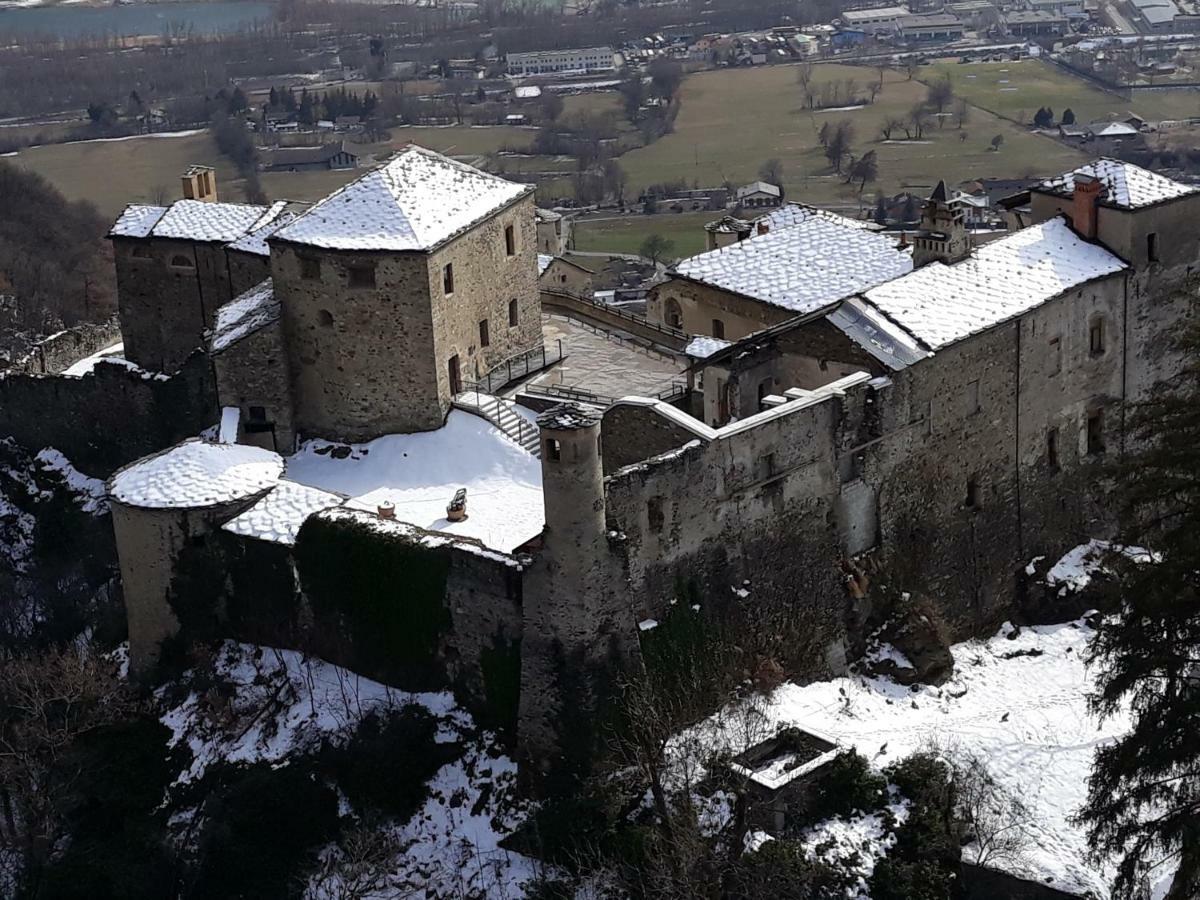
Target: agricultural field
[734, 120]
[625, 234]
[1016, 90]
[112, 173]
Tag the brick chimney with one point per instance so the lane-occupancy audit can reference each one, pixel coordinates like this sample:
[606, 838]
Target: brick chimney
[1087, 193]
[764, 227]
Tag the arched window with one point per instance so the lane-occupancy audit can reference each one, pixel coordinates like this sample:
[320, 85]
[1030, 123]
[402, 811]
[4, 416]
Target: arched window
[674, 314]
[325, 317]
[179, 261]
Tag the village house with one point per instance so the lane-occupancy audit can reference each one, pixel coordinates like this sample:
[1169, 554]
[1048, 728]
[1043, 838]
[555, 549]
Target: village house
[310, 159]
[759, 195]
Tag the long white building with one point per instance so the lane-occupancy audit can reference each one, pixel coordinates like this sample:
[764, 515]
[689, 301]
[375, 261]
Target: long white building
[543, 62]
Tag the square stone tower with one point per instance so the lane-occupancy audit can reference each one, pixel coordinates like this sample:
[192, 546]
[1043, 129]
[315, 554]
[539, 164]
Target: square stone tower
[401, 289]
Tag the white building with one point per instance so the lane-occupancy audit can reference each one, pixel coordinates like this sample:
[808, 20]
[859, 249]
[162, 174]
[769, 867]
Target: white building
[543, 62]
[885, 19]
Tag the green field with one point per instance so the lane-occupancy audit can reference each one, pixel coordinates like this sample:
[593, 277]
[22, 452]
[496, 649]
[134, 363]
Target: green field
[135, 170]
[625, 235]
[1017, 90]
[145, 169]
[733, 120]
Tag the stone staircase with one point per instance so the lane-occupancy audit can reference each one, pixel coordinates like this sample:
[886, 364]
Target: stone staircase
[499, 413]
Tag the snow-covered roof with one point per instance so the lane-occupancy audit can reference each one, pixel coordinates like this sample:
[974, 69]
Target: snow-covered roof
[803, 267]
[277, 517]
[758, 187]
[419, 473]
[415, 202]
[566, 417]
[545, 215]
[137, 220]
[544, 260]
[875, 333]
[1114, 129]
[790, 214]
[701, 346]
[199, 220]
[1128, 186]
[196, 473]
[255, 240]
[940, 303]
[245, 314]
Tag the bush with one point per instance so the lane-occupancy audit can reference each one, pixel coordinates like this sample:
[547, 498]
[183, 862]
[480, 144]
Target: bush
[261, 826]
[782, 869]
[847, 784]
[388, 762]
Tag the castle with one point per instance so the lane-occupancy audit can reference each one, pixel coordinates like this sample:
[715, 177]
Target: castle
[931, 411]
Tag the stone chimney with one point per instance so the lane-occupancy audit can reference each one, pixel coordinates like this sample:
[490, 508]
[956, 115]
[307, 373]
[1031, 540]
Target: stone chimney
[764, 227]
[1087, 193]
[200, 183]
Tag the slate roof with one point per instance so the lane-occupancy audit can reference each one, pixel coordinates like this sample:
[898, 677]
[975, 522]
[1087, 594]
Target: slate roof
[255, 241]
[803, 267]
[940, 304]
[196, 473]
[198, 220]
[244, 315]
[277, 517]
[137, 220]
[1128, 186]
[414, 202]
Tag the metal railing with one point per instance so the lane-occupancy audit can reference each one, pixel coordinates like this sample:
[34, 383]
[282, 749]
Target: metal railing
[517, 367]
[562, 392]
[641, 321]
[513, 425]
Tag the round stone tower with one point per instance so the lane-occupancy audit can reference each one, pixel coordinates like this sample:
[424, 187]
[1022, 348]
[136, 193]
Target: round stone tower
[572, 478]
[162, 503]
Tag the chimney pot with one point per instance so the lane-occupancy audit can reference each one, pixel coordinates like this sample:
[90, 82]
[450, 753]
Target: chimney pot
[1086, 196]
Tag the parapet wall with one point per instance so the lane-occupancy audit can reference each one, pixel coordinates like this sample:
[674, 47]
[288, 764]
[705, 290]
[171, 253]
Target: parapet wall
[62, 350]
[110, 417]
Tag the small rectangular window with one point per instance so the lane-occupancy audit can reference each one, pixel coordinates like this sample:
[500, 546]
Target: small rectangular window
[1095, 432]
[1055, 362]
[484, 337]
[1052, 449]
[553, 450]
[1152, 247]
[362, 276]
[310, 269]
[1096, 337]
[655, 517]
[766, 465]
[972, 397]
[971, 501]
[718, 328]
[448, 279]
[510, 241]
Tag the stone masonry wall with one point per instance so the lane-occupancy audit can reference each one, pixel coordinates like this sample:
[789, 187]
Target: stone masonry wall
[60, 351]
[360, 358]
[700, 304]
[109, 417]
[757, 506]
[486, 279]
[254, 372]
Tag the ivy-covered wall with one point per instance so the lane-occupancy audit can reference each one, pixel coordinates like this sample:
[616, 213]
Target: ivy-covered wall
[382, 595]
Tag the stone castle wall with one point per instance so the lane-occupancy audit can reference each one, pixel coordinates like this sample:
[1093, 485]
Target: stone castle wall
[60, 351]
[254, 372]
[109, 417]
[700, 304]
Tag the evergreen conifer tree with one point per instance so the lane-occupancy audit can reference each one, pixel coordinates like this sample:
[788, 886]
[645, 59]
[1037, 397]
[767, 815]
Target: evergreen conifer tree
[1143, 802]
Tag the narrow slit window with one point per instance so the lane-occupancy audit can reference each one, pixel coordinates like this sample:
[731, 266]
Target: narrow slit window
[510, 241]
[514, 314]
[1052, 449]
[448, 279]
[485, 337]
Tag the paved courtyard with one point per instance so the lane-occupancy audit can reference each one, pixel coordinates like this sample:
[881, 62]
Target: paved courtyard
[608, 364]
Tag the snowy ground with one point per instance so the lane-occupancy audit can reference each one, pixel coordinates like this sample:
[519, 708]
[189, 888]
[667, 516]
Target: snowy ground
[449, 848]
[420, 472]
[1017, 700]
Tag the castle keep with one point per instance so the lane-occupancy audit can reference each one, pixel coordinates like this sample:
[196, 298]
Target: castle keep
[929, 411]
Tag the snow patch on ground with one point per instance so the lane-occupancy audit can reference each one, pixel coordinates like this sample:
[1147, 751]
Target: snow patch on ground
[304, 700]
[1076, 569]
[90, 493]
[855, 844]
[1018, 699]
